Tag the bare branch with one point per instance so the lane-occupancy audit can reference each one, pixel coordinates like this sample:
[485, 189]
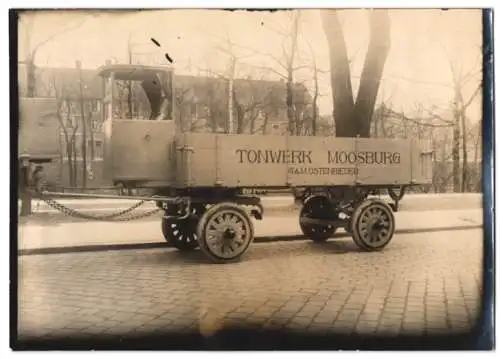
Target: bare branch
[53, 36]
[273, 57]
[212, 73]
[278, 29]
[421, 122]
[470, 75]
[301, 67]
[473, 96]
[268, 69]
[285, 55]
[229, 47]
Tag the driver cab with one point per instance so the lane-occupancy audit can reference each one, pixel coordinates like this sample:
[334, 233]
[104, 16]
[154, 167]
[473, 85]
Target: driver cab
[138, 124]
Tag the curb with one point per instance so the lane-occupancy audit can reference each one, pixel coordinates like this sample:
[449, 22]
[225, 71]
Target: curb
[154, 245]
[43, 217]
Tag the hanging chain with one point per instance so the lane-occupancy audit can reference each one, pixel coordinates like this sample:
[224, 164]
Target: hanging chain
[108, 217]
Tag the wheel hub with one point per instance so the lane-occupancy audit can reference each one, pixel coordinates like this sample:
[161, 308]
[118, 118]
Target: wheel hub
[376, 223]
[375, 227]
[372, 225]
[229, 234]
[225, 232]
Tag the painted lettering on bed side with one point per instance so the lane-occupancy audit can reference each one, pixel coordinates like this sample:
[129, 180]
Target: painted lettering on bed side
[274, 156]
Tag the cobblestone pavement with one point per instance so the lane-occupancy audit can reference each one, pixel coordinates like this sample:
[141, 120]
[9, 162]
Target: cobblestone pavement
[421, 283]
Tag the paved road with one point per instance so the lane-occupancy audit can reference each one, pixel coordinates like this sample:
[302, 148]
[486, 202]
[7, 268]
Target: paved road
[421, 283]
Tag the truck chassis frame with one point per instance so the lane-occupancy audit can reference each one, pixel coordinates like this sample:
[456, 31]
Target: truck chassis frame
[219, 220]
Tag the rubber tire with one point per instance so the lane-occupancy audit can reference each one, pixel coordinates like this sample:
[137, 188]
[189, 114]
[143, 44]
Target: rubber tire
[355, 218]
[317, 237]
[201, 231]
[181, 246]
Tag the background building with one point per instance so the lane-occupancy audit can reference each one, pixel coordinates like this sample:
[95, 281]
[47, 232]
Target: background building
[71, 99]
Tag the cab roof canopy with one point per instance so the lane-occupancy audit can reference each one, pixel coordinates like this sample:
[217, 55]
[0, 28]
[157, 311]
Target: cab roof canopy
[132, 72]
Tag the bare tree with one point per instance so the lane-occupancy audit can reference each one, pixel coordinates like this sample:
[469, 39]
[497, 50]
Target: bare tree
[31, 50]
[459, 108]
[75, 112]
[477, 137]
[353, 118]
[253, 102]
[182, 108]
[286, 66]
[129, 82]
[316, 90]
[68, 127]
[235, 55]
[290, 57]
[215, 109]
[459, 122]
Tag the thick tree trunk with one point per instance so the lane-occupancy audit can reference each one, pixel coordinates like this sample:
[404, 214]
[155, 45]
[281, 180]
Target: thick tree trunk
[231, 101]
[92, 139]
[465, 167]
[84, 125]
[69, 155]
[455, 155]
[265, 124]
[239, 114]
[252, 124]
[354, 118]
[30, 78]
[314, 122]
[315, 103]
[376, 120]
[74, 161]
[340, 75]
[376, 56]
[289, 104]
[292, 120]
[130, 100]
[477, 169]
[84, 150]
[25, 195]
[71, 178]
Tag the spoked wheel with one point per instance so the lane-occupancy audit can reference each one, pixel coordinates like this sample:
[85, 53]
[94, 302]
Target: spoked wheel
[317, 208]
[225, 232]
[372, 225]
[181, 233]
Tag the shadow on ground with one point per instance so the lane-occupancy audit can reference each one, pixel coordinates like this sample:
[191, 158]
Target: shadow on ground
[256, 339]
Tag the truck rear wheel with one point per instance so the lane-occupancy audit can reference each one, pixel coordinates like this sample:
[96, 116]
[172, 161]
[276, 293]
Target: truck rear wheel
[181, 233]
[372, 225]
[225, 232]
[317, 208]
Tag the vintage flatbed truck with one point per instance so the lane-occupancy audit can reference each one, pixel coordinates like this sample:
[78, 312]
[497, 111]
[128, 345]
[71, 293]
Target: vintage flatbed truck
[198, 179]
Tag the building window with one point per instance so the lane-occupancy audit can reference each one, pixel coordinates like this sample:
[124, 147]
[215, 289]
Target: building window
[96, 123]
[98, 149]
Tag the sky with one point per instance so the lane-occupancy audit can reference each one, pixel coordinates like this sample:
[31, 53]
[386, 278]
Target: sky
[417, 71]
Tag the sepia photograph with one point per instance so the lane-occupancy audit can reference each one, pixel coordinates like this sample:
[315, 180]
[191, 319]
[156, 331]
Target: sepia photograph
[228, 179]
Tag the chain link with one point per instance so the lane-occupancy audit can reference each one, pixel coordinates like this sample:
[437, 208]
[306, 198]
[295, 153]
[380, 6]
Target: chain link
[108, 217]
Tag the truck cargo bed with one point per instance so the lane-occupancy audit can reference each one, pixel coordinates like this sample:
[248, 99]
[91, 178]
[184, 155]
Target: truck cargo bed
[206, 160]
